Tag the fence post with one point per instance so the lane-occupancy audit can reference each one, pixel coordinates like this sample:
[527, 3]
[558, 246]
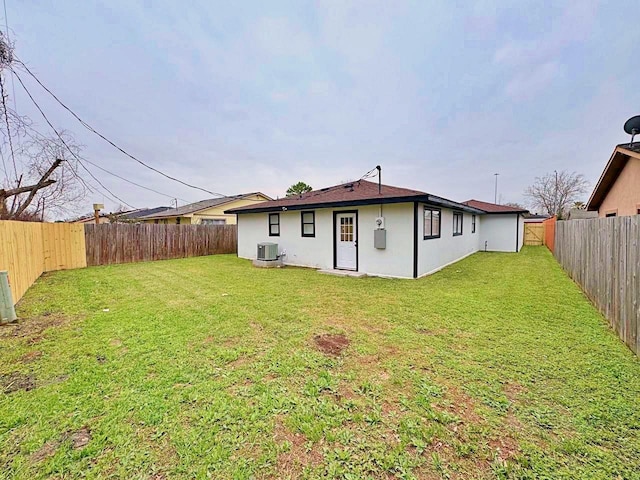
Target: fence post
[7, 310]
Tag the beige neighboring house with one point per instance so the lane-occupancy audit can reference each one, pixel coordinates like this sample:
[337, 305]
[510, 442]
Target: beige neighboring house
[618, 190]
[207, 212]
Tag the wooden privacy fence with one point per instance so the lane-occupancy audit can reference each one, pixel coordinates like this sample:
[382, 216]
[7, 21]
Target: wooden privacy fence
[603, 257]
[550, 232]
[534, 234]
[124, 243]
[27, 249]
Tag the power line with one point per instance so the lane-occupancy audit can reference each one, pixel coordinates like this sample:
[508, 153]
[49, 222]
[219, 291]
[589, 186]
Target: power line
[93, 130]
[134, 183]
[115, 174]
[13, 84]
[113, 195]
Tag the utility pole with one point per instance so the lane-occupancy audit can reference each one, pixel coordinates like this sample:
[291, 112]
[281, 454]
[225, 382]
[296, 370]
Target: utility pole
[495, 196]
[555, 195]
[96, 212]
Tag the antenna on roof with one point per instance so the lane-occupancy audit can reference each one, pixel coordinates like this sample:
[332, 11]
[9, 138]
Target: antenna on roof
[632, 126]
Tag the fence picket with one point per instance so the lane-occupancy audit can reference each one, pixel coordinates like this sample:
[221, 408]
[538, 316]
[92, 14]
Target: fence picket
[123, 243]
[602, 256]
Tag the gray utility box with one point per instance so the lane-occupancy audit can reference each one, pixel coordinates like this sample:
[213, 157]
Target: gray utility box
[267, 251]
[380, 238]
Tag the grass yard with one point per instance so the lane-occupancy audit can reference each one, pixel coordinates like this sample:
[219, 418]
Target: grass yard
[496, 367]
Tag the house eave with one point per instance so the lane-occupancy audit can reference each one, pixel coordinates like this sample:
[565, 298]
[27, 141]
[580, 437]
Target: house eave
[430, 199]
[616, 163]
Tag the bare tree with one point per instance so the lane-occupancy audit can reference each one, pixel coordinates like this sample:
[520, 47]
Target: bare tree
[39, 173]
[555, 193]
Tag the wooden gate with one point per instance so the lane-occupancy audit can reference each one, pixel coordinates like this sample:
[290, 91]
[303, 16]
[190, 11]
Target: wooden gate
[534, 234]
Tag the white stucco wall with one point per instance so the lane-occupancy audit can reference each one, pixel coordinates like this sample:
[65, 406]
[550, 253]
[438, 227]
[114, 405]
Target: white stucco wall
[435, 253]
[396, 260]
[499, 231]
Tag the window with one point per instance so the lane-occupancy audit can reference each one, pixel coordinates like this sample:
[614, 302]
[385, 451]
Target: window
[431, 223]
[178, 221]
[457, 223]
[308, 220]
[610, 214]
[213, 221]
[156, 221]
[274, 224]
[473, 224]
[346, 229]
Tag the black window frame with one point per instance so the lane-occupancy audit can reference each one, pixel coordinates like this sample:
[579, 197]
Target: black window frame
[303, 223]
[271, 224]
[473, 223]
[455, 215]
[424, 212]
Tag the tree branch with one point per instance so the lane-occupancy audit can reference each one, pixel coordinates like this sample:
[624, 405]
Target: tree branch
[42, 183]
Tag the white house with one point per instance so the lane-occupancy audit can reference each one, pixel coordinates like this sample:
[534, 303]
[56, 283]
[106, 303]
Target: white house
[377, 229]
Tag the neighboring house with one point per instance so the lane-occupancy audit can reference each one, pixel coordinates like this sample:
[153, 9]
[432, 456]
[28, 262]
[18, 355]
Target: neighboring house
[339, 228]
[90, 219]
[534, 218]
[206, 212]
[129, 216]
[618, 190]
[580, 214]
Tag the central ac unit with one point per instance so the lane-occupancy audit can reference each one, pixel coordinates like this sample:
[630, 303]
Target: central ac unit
[267, 251]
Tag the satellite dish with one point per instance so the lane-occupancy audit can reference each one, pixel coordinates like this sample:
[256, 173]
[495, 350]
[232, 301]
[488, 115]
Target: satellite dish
[632, 126]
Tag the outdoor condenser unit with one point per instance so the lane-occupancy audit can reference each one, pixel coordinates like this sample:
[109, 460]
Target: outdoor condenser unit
[267, 251]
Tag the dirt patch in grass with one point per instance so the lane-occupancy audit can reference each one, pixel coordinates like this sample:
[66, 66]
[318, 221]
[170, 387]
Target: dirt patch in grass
[505, 447]
[432, 331]
[47, 450]
[30, 356]
[13, 382]
[300, 454]
[331, 344]
[513, 390]
[461, 405]
[80, 438]
[32, 328]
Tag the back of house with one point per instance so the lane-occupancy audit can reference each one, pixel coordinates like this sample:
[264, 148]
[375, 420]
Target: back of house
[376, 229]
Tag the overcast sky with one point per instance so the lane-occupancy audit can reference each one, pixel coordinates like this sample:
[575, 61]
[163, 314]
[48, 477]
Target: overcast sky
[254, 96]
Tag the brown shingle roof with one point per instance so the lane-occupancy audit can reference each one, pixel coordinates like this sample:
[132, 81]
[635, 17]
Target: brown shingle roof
[494, 207]
[360, 192]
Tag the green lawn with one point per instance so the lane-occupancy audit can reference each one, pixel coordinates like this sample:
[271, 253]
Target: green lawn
[496, 367]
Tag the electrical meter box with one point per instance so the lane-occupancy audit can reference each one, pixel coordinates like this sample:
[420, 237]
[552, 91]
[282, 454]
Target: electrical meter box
[380, 239]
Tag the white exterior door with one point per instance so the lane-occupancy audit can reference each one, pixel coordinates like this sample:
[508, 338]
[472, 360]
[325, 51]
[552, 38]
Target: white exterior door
[346, 241]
